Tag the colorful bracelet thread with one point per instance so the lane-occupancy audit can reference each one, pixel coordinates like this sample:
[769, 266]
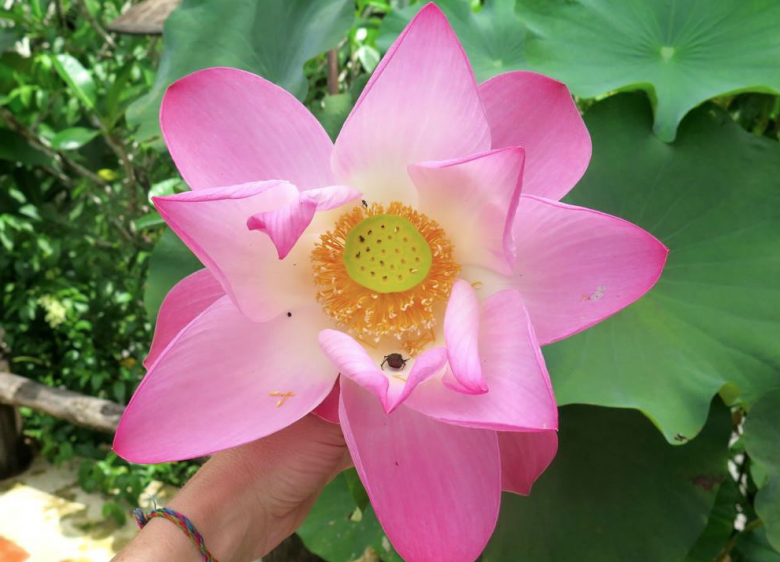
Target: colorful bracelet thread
[180, 521]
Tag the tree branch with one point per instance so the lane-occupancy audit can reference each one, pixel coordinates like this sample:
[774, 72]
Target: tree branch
[95, 413]
[43, 145]
[333, 71]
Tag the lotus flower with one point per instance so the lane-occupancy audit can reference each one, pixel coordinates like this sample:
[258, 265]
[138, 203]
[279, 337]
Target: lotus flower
[403, 257]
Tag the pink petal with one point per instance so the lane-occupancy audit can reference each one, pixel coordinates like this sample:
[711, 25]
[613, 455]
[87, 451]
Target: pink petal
[332, 197]
[391, 387]
[530, 110]
[420, 104]
[188, 298]
[577, 266]
[328, 409]
[435, 487]
[212, 222]
[520, 395]
[524, 457]
[352, 361]
[474, 200]
[225, 126]
[461, 332]
[223, 381]
[286, 225]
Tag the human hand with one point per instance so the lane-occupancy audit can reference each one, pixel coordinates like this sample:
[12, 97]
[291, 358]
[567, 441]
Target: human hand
[246, 500]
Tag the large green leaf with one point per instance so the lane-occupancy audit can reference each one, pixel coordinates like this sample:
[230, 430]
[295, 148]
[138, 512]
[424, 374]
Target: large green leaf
[493, 38]
[267, 37]
[170, 262]
[712, 197]
[340, 531]
[754, 547]
[682, 52]
[615, 492]
[762, 442]
[720, 525]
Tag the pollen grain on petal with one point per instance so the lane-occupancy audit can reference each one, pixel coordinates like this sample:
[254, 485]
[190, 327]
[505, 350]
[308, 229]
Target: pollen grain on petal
[283, 396]
[404, 311]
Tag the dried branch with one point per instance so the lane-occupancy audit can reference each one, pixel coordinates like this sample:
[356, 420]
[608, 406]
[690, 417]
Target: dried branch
[95, 413]
[333, 71]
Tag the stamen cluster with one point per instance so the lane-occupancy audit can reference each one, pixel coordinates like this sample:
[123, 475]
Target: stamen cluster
[407, 316]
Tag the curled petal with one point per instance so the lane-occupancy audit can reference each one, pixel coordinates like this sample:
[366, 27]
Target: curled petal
[225, 381]
[420, 104]
[286, 225]
[435, 487]
[519, 396]
[392, 389]
[225, 126]
[474, 199]
[212, 222]
[186, 300]
[461, 332]
[538, 113]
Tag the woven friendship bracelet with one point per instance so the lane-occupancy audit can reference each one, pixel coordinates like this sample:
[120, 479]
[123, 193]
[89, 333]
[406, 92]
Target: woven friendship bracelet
[180, 521]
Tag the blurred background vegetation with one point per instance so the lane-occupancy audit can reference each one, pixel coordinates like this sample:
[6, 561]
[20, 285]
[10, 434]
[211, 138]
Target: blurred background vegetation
[76, 225]
[78, 162]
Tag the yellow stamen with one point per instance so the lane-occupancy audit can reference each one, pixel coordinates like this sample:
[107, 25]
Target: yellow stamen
[405, 315]
[283, 396]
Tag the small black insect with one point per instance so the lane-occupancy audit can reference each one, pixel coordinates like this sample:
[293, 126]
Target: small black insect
[289, 314]
[394, 361]
[364, 203]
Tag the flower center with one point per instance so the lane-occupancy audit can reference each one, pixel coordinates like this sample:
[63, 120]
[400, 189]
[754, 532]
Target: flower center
[382, 272]
[387, 254]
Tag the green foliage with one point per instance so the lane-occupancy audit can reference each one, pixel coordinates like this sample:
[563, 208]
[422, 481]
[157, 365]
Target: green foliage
[762, 442]
[719, 526]
[72, 265]
[613, 479]
[267, 37]
[712, 198]
[340, 527]
[682, 53]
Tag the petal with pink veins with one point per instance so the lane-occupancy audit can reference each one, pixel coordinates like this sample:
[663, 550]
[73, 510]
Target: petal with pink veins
[536, 112]
[286, 225]
[461, 333]
[519, 396]
[435, 487]
[420, 104]
[391, 387]
[212, 223]
[186, 300]
[225, 381]
[524, 458]
[225, 126]
[576, 266]
[474, 200]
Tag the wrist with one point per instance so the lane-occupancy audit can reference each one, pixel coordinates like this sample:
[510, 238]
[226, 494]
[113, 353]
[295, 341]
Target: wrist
[219, 502]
